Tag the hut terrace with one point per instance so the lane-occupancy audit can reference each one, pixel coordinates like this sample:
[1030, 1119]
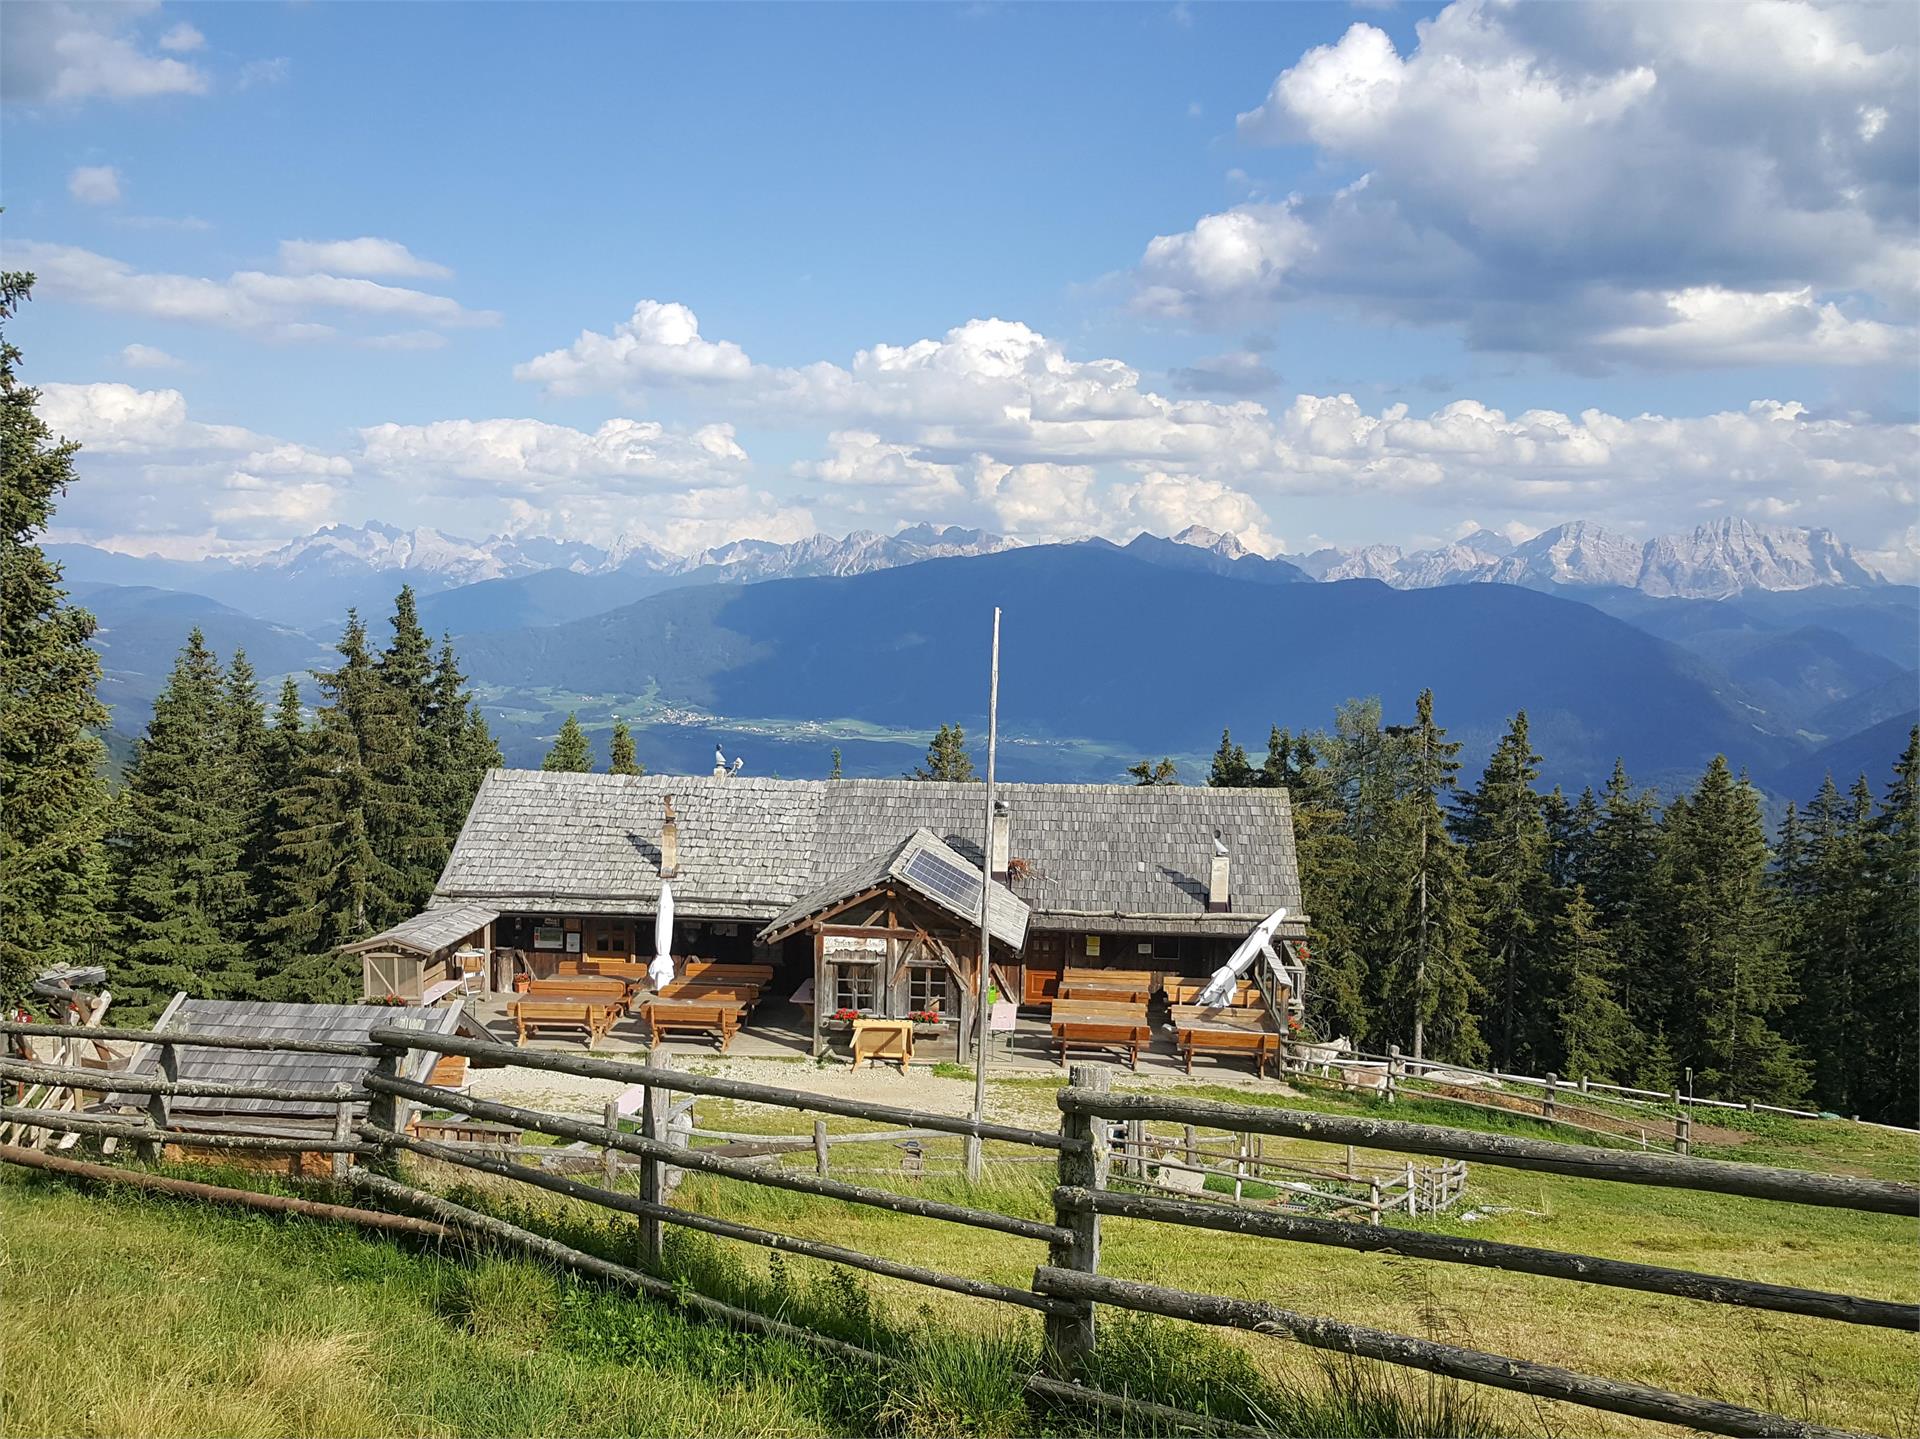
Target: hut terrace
[864, 892]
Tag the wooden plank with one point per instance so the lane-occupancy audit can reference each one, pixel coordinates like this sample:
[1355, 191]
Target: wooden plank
[138, 1132]
[629, 1072]
[591, 1133]
[1545, 1381]
[1487, 1254]
[270, 1045]
[99, 1080]
[1070, 1337]
[1713, 1176]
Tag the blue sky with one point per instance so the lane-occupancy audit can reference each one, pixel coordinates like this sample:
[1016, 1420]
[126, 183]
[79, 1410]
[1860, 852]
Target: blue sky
[1310, 272]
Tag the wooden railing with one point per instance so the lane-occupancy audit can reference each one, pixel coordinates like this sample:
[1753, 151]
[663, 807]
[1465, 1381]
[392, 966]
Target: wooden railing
[1068, 1287]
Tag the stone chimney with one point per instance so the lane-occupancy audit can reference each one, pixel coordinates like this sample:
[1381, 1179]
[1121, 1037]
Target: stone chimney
[669, 844]
[1002, 840]
[1219, 883]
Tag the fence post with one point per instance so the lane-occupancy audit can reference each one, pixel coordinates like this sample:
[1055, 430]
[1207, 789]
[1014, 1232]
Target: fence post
[1393, 1070]
[160, 1106]
[1070, 1336]
[383, 1109]
[342, 1134]
[1413, 1192]
[820, 1147]
[1682, 1126]
[1188, 1143]
[1583, 1084]
[1373, 1190]
[1553, 1081]
[653, 1125]
[609, 1156]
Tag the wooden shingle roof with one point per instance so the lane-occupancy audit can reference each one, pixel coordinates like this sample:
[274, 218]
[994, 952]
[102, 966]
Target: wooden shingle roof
[1006, 912]
[265, 1019]
[428, 932]
[1119, 858]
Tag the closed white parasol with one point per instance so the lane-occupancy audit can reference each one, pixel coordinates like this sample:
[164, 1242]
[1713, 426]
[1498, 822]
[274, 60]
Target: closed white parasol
[1219, 988]
[661, 970]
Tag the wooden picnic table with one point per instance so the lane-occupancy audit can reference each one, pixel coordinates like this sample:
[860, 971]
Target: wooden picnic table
[1185, 989]
[594, 1014]
[1122, 986]
[716, 972]
[1100, 1024]
[747, 995]
[1225, 1031]
[720, 1018]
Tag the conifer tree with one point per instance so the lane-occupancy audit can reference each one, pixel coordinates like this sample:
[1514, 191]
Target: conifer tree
[271, 873]
[621, 756]
[1230, 769]
[470, 744]
[834, 773]
[415, 836]
[947, 757]
[1619, 882]
[340, 814]
[1592, 1035]
[53, 799]
[570, 751]
[1888, 1031]
[1346, 787]
[1149, 773]
[183, 906]
[244, 725]
[1824, 887]
[1506, 834]
[1718, 928]
[1428, 984]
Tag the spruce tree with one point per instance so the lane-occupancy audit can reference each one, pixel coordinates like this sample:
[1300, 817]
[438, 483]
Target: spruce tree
[570, 751]
[469, 743]
[183, 906]
[1889, 986]
[1718, 928]
[947, 757]
[247, 741]
[621, 757]
[417, 834]
[1505, 830]
[834, 773]
[1619, 881]
[1428, 984]
[1230, 768]
[271, 872]
[1149, 773]
[351, 781]
[1825, 891]
[1591, 1034]
[1346, 788]
[53, 798]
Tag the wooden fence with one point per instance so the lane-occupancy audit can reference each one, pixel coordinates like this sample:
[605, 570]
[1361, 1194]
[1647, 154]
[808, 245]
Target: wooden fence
[1068, 1287]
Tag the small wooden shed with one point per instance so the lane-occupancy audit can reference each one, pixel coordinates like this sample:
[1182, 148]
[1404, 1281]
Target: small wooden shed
[419, 956]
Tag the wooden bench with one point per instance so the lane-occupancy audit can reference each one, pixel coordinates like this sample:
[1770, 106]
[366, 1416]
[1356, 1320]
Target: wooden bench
[594, 1016]
[717, 1017]
[633, 971]
[1224, 1031]
[1100, 1024]
[1117, 986]
[579, 986]
[712, 970]
[745, 995]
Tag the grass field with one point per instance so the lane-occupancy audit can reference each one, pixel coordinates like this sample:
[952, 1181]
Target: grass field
[136, 1316]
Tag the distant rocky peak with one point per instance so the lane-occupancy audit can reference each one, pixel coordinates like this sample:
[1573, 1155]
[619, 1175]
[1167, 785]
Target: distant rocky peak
[1227, 545]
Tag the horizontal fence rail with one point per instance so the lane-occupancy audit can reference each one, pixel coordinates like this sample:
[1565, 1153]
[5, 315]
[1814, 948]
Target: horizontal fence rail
[68, 1122]
[1516, 1258]
[109, 1082]
[1545, 1381]
[629, 1072]
[684, 1158]
[726, 1229]
[1717, 1176]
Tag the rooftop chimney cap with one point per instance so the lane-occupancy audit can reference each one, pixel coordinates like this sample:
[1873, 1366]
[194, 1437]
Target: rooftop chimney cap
[1000, 807]
[1219, 841]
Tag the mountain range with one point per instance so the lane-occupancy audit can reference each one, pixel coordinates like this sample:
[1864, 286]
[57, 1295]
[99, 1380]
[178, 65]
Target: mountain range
[505, 580]
[866, 643]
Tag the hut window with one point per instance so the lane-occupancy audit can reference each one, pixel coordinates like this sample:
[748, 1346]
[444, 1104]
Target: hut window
[928, 987]
[609, 937]
[855, 986]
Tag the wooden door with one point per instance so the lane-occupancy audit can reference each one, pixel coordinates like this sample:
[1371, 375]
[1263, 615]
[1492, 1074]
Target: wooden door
[1046, 956]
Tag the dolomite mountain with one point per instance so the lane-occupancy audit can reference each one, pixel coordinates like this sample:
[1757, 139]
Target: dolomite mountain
[1718, 560]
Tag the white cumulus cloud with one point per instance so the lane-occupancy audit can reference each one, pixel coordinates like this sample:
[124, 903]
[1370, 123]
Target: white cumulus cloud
[94, 184]
[52, 51]
[367, 256]
[148, 357]
[658, 343]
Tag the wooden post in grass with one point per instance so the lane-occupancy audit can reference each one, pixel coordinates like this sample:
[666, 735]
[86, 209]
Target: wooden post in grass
[160, 1106]
[820, 1147]
[342, 1134]
[1682, 1126]
[1546, 1106]
[653, 1125]
[1188, 1145]
[1070, 1335]
[1373, 1198]
[1413, 1192]
[1393, 1070]
[609, 1156]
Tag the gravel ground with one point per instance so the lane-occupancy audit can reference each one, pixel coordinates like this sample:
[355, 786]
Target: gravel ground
[918, 1088]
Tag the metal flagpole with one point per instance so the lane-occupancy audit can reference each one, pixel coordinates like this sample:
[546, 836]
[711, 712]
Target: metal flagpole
[981, 1015]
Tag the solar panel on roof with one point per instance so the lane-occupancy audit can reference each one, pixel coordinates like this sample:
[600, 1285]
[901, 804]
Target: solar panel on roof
[946, 879]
